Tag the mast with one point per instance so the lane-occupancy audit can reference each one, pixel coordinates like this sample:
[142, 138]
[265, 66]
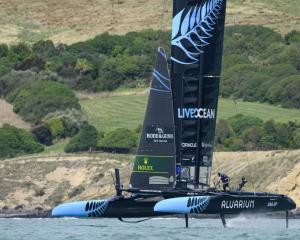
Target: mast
[197, 41]
[154, 166]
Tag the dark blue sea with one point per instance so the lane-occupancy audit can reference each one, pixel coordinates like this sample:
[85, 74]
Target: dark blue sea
[171, 228]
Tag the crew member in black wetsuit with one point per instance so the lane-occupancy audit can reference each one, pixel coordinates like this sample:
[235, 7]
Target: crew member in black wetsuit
[224, 179]
[242, 183]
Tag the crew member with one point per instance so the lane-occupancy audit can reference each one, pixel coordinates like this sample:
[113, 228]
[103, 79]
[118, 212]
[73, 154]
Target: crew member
[242, 183]
[224, 179]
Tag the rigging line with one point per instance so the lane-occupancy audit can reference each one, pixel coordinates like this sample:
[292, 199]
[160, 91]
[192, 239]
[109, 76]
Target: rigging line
[247, 157]
[251, 173]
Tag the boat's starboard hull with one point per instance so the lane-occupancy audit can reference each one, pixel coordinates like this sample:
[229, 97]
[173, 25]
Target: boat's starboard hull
[225, 203]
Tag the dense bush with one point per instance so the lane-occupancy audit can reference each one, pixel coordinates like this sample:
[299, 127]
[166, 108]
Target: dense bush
[56, 126]
[256, 63]
[293, 36]
[73, 120]
[255, 59]
[14, 142]
[241, 133]
[43, 134]
[85, 140]
[35, 100]
[120, 138]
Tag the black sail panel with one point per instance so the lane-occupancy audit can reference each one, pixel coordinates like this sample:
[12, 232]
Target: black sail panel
[197, 39]
[154, 166]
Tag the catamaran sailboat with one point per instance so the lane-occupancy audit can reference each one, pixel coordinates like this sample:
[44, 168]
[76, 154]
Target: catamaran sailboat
[172, 168]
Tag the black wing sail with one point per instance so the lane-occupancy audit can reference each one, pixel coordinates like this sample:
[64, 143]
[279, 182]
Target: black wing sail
[154, 166]
[197, 40]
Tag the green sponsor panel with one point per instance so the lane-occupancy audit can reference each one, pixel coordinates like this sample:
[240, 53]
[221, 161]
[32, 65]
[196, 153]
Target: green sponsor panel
[153, 164]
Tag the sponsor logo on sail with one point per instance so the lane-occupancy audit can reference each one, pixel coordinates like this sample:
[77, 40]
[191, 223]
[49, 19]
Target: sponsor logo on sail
[159, 134]
[145, 166]
[188, 145]
[207, 144]
[237, 204]
[196, 113]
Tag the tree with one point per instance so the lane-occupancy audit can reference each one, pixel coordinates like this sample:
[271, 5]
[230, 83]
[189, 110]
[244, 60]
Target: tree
[240, 122]
[36, 99]
[20, 52]
[43, 134]
[33, 62]
[15, 141]
[73, 120]
[56, 126]
[293, 36]
[223, 131]
[3, 50]
[45, 48]
[295, 142]
[120, 138]
[85, 140]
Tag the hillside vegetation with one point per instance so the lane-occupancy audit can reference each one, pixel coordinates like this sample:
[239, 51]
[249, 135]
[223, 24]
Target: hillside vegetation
[258, 64]
[104, 112]
[43, 182]
[72, 21]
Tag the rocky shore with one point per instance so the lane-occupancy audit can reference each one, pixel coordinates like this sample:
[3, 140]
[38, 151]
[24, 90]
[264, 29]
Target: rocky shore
[25, 213]
[32, 186]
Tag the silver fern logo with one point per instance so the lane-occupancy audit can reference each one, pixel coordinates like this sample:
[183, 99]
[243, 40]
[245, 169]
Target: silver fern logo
[193, 27]
[198, 204]
[96, 208]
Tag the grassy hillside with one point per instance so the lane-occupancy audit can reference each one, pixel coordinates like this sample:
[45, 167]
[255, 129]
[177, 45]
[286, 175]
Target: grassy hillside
[72, 21]
[46, 181]
[104, 112]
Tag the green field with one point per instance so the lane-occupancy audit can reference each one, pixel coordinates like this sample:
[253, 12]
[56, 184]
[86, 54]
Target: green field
[107, 113]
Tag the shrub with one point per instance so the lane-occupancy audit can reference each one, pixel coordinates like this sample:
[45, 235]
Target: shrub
[223, 131]
[33, 62]
[35, 100]
[3, 50]
[85, 140]
[45, 48]
[295, 141]
[20, 52]
[120, 138]
[73, 120]
[293, 36]
[56, 126]
[15, 141]
[286, 92]
[241, 122]
[43, 134]
[5, 67]
[250, 133]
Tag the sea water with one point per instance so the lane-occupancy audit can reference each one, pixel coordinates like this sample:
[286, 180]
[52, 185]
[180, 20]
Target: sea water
[160, 228]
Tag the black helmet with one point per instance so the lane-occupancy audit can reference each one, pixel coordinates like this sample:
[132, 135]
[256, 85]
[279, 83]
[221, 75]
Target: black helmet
[243, 178]
[219, 174]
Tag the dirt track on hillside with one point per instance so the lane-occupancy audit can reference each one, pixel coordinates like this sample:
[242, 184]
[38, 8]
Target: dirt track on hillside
[7, 115]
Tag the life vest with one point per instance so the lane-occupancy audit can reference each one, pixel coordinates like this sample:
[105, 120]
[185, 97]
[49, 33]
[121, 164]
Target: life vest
[224, 178]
